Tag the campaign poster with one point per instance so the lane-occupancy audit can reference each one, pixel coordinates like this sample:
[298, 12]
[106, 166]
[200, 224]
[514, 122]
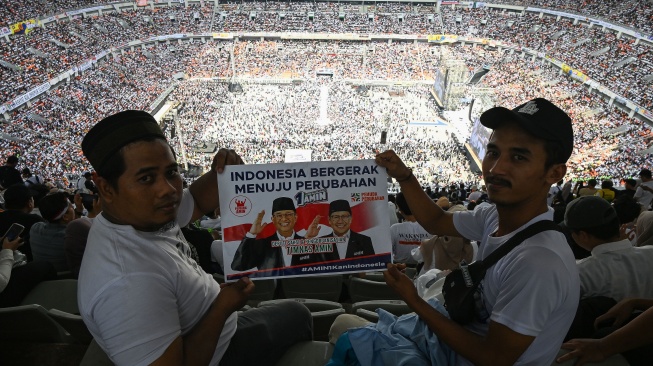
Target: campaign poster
[304, 219]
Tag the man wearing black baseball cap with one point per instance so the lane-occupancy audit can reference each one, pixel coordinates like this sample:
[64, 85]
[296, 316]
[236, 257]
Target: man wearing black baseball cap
[615, 269]
[528, 299]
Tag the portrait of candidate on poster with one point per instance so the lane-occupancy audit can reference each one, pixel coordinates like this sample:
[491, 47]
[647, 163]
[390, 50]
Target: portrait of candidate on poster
[304, 219]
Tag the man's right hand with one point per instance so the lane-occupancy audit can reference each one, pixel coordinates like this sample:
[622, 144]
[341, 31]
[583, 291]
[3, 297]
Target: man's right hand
[12, 244]
[620, 313]
[393, 164]
[233, 296]
[257, 225]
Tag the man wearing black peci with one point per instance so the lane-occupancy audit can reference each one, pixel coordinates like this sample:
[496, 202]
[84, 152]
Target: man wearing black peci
[271, 252]
[356, 245]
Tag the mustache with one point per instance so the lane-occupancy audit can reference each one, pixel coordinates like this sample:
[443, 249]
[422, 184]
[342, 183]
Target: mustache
[168, 203]
[498, 181]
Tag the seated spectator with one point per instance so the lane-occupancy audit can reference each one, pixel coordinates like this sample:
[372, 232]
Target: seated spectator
[48, 238]
[446, 252]
[645, 229]
[407, 235]
[606, 192]
[76, 235]
[644, 192]
[628, 210]
[17, 279]
[590, 190]
[615, 270]
[19, 204]
[9, 175]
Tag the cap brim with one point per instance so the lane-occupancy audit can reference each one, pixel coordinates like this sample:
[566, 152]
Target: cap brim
[495, 117]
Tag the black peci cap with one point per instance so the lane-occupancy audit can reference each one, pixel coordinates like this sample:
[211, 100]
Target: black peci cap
[112, 133]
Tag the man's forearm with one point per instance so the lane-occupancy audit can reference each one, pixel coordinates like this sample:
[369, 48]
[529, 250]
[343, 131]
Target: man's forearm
[205, 193]
[422, 206]
[201, 342]
[632, 335]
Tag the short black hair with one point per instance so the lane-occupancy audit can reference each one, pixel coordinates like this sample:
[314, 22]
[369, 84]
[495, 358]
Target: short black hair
[628, 209]
[631, 182]
[17, 196]
[591, 182]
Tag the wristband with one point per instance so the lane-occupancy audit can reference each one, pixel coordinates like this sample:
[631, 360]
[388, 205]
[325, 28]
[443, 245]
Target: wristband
[410, 175]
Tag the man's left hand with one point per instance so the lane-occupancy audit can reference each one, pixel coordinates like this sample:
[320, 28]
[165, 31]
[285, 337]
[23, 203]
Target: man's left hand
[223, 158]
[401, 284]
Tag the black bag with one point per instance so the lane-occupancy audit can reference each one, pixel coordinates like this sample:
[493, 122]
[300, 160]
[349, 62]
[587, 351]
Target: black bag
[461, 285]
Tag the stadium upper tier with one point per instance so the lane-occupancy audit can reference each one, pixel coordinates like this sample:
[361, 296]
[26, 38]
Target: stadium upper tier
[636, 14]
[621, 63]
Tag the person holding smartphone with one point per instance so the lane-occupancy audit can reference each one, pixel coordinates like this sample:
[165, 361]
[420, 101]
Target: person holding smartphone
[17, 281]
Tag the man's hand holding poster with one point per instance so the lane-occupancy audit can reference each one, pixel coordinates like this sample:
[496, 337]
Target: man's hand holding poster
[288, 220]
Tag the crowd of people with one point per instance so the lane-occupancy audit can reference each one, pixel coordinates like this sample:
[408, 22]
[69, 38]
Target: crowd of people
[266, 120]
[70, 111]
[39, 58]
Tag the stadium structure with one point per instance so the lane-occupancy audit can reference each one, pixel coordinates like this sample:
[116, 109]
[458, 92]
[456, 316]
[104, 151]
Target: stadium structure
[460, 52]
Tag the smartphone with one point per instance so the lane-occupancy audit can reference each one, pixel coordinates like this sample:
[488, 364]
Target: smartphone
[13, 232]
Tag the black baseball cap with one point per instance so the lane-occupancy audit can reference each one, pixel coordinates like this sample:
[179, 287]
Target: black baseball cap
[587, 212]
[540, 118]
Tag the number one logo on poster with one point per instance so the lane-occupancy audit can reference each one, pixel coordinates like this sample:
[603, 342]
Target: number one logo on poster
[240, 206]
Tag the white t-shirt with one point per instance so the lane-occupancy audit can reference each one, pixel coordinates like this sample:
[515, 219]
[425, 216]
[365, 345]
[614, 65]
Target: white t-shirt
[406, 236]
[138, 291]
[617, 270]
[552, 194]
[533, 290]
[644, 197]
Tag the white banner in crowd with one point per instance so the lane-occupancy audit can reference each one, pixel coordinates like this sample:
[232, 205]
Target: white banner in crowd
[297, 155]
[304, 219]
[29, 95]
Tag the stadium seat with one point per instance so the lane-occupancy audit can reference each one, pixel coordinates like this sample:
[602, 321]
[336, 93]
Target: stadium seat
[95, 356]
[73, 324]
[313, 353]
[616, 360]
[30, 324]
[365, 290]
[326, 288]
[322, 312]
[264, 290]
[58, 294]
[375, 276]
[367, 309]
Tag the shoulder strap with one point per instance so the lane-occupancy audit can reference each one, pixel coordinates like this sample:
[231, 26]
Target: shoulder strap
[517, 239]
